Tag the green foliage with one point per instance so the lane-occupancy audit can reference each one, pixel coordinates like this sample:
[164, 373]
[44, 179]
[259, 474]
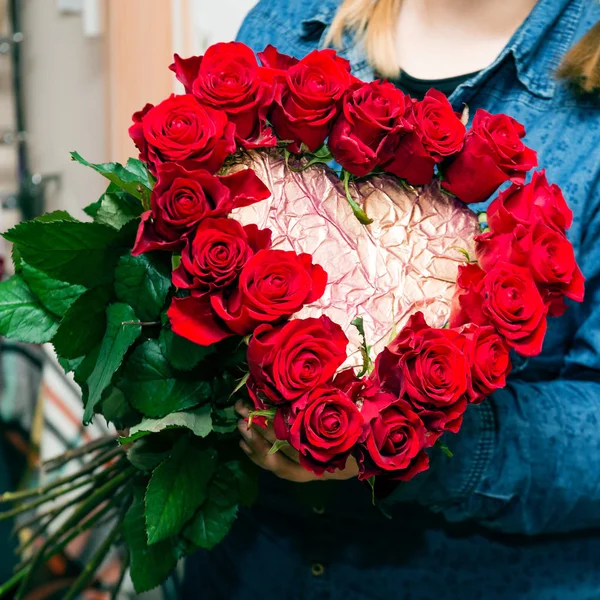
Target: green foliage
[92, 209]
[143, 282]
[154, 388]
[177, 488]
[83, 325]
[116, 410]
[149, 565]
[22, 317]
[78, 253]
[231, 486]
[147, 453]
[198, 421]
[54, 295]
[121, 331]
[132, 178]
[181, 353]
[117, 209]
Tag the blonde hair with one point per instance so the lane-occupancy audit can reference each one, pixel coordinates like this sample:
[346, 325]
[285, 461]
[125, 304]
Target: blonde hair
[581, 64]
[376, 20]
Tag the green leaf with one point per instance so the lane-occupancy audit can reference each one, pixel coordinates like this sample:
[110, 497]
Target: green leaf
[198, 421]
[145, 455]
[57, 215]
[149, 565]
[143, 282]
[277, 446]
[177, 488]
[54, 295]
[116, 410]
[181, 353]
[120, 335]
[225, 419]
[117, 209]
[83, 325]
[21, 315]
[133, 178]
[215, 517]
[69, 364]
[153, 388]
[80, 253]
[85, 369]
[16, 259]
[92, 209]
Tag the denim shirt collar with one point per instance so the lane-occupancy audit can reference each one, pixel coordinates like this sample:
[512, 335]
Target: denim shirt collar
[536, 47]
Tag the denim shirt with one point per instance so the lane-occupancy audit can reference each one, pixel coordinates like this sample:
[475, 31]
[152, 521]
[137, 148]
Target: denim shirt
[515, 514]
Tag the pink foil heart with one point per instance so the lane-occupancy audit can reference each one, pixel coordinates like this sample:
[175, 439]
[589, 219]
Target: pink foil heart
[405, 261]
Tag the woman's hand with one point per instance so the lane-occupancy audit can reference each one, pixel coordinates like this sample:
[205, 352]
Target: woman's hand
[284, 463]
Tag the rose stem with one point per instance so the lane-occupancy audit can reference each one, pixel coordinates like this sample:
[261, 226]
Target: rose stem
[88, 572]
[58, 461]
[90, 467]
[100, 494]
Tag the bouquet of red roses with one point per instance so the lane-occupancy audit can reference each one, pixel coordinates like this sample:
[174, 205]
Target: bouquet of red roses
[359, 311]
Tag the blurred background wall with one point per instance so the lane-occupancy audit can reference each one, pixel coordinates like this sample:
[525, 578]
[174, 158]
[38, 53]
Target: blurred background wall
[87, 65]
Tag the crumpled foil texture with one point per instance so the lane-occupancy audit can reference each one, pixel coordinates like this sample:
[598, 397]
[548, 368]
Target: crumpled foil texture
[405, 261]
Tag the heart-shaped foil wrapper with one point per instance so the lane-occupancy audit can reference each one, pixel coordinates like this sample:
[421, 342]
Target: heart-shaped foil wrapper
[405, 261]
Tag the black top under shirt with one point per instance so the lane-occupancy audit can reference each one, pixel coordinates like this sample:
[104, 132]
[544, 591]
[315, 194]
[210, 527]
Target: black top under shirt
[417, 88]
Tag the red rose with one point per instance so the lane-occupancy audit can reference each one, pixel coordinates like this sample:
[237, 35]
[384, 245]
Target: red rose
[180, 129]
[491, 361]
[493, 153]
[286, 362]
[507, 298]
[182, 198]
[431, 369]
[393, 437]
[273, 285]
[527, 204]
[369, 114]
[216, 254]
[437, 132]
[279, 63]
[323, 426]
[548, 254]
[554, 268]
[493, 248]
[308, 97]
[228, 78]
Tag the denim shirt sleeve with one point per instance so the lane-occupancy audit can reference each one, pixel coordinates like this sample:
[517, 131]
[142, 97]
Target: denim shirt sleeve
[527, 460]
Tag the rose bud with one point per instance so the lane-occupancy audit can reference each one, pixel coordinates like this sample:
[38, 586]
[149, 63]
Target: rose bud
[493, 153]
[393, 438]
[287, 361]
[528, 204]
[324, 426]
[180, 129]
[308, 98]
[228, 78]
[431, 369]
[217, 253]
[508, 299]
[490, 359]
[182, 198]
[369, 114]
[437, 132]
[272, 286]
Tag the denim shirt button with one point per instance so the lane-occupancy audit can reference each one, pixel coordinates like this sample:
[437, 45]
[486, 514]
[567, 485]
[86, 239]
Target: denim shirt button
[317, 569]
